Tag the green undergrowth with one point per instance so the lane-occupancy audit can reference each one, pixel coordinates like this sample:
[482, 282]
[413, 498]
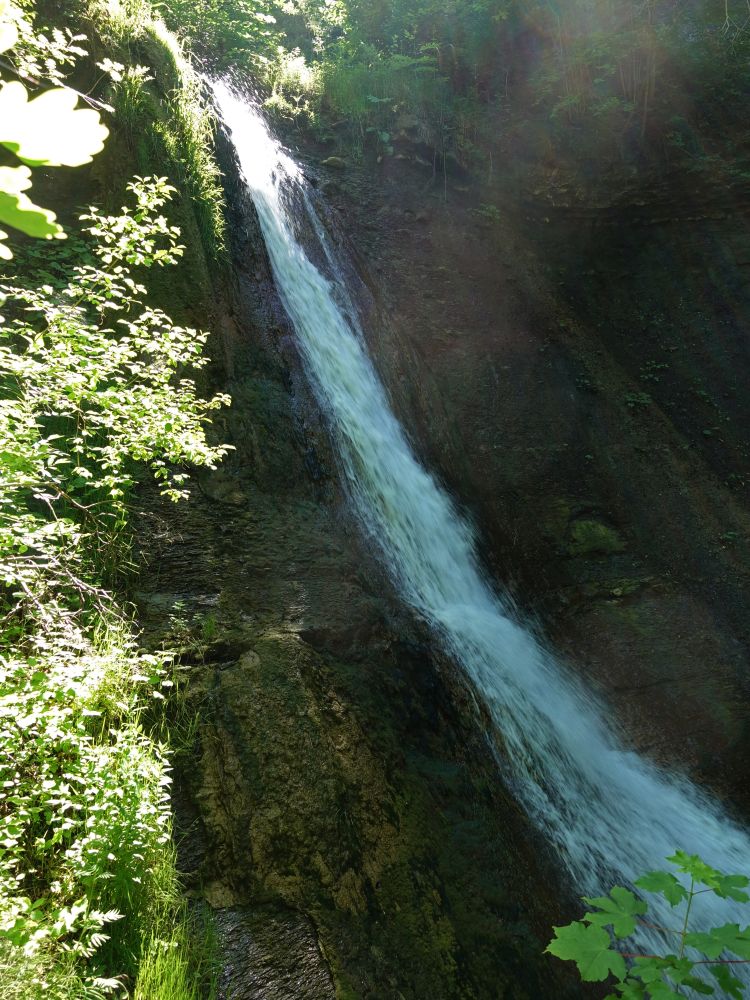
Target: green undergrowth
[95, 393]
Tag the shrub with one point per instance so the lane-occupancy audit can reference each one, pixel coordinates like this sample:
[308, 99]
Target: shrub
[588, 942]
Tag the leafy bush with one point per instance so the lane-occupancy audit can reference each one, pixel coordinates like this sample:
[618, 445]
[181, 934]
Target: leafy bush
[46, 131]
[231, 33]
[94, 387]
[588, 942]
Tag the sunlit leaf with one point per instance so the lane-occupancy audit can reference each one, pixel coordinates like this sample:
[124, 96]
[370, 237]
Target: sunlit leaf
[49, 129]
[8, 34]
[17, 209]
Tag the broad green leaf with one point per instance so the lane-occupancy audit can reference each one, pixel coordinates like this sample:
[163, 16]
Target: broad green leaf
[705, 943]
[665, 884]
[663, 991]
[695, 867]
[653, 970]
[723, 885]
[14, 180]
[631, 989]
[20, 212]
[620, 910]
[729, 984]
[699, 985]
[729, 937]
[49, 130]
[590, 948]
[731, 886]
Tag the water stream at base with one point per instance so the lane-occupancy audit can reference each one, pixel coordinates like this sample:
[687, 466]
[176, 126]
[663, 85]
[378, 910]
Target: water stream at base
[608, 813]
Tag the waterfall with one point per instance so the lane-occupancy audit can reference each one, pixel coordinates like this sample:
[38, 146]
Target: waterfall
[608, 813]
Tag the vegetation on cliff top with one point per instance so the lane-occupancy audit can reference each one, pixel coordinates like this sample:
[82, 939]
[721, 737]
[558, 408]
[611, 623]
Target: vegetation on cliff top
[618, 80]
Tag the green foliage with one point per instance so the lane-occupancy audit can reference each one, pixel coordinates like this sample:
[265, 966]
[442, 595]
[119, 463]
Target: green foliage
[159, 106]
[589, 942]
[94, 386]
[599, 78]
[87, 353]
[620, 910]
[187, 131]
[48, 130]
[232, 33]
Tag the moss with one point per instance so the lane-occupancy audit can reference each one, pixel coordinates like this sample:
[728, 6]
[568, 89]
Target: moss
[557, 519]
[302, 809]
[589, 537]
[166, 119]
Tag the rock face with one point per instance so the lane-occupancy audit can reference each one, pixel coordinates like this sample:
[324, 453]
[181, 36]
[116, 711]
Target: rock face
[580, 381]
[337, 805]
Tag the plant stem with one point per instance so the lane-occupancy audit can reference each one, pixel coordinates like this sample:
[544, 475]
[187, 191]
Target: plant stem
[683, 933]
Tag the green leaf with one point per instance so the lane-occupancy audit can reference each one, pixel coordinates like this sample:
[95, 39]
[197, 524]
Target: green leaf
[49, 130]
[590, 948]
[729, 937]
[650, 970]
[662, 991]
[17, 210]
[695, 867]
[620, 911]
[731, 886]
[8, 35]
[9, 15]
[723, 885]
[728, 983]
[699, 985]
[631, 989]
[665, 884]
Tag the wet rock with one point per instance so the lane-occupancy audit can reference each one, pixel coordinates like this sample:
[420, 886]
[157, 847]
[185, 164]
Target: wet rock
[271, 954]
[520, 373]
[335, 163]
[339, 792]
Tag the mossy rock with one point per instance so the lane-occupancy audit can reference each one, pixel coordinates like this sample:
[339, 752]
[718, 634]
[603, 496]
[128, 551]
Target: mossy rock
[589, 537]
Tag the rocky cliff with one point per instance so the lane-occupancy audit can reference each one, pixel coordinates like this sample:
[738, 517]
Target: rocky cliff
[340, 808]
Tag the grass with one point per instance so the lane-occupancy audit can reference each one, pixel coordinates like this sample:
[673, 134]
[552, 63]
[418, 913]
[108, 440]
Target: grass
[172, 115]
[377, 98]
[180, 967]
[188, 132]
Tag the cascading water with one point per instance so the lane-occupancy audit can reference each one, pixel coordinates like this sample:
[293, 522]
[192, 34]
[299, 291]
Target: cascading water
[610, 814]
